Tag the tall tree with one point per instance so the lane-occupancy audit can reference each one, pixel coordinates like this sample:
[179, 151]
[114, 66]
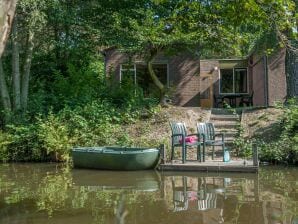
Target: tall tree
[29, 19]
[7, 9]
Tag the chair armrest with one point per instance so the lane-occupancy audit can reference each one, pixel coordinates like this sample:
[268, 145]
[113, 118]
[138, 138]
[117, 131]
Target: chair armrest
[193, 135]
[176, 135]
[220, 134]
[181, 140]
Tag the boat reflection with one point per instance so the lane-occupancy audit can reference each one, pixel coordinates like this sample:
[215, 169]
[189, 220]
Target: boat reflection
[116, 180]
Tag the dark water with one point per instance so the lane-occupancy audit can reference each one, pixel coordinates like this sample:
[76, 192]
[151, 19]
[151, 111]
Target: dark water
[48, 193]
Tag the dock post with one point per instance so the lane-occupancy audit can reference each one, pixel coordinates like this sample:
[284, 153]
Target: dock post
[162, 151]
[255, 154]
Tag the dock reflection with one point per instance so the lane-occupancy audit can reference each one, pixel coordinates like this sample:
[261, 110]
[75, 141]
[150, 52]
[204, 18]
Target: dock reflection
[55, 194]
[205, 198]
[223, 198]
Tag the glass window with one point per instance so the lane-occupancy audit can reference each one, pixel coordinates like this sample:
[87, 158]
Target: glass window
[226, 81]
[233, 80]
[144, 79]
[139, 75]
[240, 80]
[128, 73]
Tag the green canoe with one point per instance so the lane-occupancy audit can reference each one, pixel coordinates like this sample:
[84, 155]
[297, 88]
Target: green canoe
[115, 158]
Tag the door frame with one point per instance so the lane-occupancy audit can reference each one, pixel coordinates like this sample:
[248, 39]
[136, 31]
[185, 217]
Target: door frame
[208, 102]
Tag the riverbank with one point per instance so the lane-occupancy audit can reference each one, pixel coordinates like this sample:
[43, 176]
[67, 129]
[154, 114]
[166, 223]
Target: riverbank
[51, 137]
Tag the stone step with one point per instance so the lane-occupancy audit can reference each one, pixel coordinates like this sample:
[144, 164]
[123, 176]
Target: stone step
[226, 130]
[230, 135]
[226, 125]
[225, 111]
[227, 137]
[215, 118]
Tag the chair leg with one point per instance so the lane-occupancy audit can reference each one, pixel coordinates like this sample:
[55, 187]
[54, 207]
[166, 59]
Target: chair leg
[204, 147]
[199, 153]
[223, 152]
[213, 152]
[172, 152]
[183, 153]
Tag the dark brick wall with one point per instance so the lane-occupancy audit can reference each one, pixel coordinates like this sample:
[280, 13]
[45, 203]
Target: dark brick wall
[185, 70]
[184, 77]
[277, 88]
[258, 80]
[276, 79]
[183, 74]
[113, 59]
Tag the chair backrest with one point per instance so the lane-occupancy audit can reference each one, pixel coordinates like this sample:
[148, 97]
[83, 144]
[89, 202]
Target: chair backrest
[207, 129]
[178, 128]
[209, 202]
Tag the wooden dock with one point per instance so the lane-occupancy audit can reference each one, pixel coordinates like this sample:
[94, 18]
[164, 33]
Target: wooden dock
[211, 166]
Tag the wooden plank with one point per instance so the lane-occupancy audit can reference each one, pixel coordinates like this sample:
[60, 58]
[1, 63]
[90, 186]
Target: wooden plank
[234, 166]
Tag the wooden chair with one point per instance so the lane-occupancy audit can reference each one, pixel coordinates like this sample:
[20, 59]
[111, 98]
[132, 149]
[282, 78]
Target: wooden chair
[179, 137]
[207, 130]
[247, 100]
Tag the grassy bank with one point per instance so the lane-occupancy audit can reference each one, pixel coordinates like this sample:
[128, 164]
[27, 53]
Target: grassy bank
[274, 130]
[140, 122]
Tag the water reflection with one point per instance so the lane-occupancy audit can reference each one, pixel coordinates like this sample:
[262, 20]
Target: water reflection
[109, 180]
[216, 199]
[47, 193]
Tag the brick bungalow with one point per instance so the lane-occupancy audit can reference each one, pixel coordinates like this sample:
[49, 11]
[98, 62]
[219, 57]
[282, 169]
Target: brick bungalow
[206, 83]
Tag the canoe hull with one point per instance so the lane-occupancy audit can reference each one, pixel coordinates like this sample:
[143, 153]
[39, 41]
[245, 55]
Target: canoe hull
[114, 158]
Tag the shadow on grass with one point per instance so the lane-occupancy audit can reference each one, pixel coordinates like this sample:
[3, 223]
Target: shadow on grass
[269, 133]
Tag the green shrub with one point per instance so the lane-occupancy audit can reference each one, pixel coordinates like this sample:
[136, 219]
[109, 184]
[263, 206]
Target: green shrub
[5, 140]
[21, 144]
[285, 148]
[54, 138]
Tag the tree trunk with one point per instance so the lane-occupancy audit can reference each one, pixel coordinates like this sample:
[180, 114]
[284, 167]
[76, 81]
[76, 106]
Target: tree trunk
[292, 71]
[7, 9]
[155, 79]
[16, 76]
[26, 70]
[4, 90]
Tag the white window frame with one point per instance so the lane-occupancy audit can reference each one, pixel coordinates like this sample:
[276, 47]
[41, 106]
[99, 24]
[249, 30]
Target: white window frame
[135, 71]
[240, 68]
[124, 69]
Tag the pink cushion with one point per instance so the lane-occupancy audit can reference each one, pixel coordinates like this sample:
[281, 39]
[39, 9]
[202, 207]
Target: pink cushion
[189, 139]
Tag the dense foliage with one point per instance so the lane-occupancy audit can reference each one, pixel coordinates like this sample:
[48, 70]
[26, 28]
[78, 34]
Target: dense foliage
[85, 110]
[54, 92]
[283, 148]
